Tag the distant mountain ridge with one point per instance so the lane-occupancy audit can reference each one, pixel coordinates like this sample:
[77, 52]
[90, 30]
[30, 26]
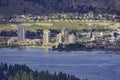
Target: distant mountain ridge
[12, 7]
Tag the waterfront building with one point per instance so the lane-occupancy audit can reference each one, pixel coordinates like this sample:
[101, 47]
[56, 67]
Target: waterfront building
[72, 39]
[30, 42]
[65, 34]
[27, 42]
[11, 41]
[21, 32]
[59, 38]
[46, 36]
[35, 42]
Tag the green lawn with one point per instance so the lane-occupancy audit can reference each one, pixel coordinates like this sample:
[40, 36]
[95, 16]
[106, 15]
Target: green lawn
[74, 25]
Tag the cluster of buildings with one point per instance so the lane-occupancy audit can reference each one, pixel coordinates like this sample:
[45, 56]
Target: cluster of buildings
[104, 40]
[62, 38]
[93, 39]
[21, 39]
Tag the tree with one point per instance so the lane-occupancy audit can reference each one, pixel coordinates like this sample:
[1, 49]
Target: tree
[1, 74]
[24, 76]
[116, 34]
[10, 78]
[17, 77]
[22, 72]
[31, 76]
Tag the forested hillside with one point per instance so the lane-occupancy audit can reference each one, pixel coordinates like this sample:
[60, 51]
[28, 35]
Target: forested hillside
[11, 7]
[22, 72]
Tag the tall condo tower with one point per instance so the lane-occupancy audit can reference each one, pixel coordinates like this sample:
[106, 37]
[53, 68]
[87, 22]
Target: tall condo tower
[65, 34]
[46, 36]
[21, 32]
[59, 38]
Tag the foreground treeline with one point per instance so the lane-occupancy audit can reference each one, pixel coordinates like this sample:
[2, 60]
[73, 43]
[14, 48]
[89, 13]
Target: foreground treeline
[22, 72]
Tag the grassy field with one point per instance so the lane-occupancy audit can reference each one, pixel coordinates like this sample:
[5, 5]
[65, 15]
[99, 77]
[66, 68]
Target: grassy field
[71, 25]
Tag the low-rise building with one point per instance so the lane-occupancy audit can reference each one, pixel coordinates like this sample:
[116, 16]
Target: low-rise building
[30, 42]
[97, 34]
[35, 42]
[11, 41]
[72, 39]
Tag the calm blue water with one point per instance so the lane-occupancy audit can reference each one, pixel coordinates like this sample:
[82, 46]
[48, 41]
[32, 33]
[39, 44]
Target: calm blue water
[93, 65]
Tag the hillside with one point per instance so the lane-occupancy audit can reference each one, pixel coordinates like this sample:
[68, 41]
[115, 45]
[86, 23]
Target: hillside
[12, 7]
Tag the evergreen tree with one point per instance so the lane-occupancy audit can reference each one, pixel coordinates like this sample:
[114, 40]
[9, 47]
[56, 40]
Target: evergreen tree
[24, 76]
[17, 77]
[22, 72]
[31, 76]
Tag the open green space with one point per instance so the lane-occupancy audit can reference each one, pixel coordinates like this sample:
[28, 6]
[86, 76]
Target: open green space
[57, 25]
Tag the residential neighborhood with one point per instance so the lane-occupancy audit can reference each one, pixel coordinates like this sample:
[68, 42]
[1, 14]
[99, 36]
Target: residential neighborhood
[90, 16]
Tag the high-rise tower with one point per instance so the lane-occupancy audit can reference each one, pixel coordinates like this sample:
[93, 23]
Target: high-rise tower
[21, 32]
[46, 36]
[65, 34]
[59, 38]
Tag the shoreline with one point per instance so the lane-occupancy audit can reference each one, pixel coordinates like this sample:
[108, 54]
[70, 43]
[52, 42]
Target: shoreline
[88, 50]
[56, 49]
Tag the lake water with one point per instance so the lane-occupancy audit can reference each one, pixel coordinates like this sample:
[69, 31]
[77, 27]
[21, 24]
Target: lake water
[93, 65]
